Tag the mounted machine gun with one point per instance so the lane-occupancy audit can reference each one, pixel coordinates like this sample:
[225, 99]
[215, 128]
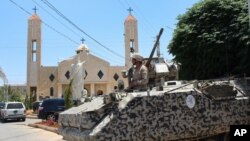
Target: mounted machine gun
[159, 70]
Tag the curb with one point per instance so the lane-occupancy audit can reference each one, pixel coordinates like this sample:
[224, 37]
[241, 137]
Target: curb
[31, 116]
[55, 130]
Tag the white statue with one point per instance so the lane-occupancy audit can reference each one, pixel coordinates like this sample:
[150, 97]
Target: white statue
[78, 74]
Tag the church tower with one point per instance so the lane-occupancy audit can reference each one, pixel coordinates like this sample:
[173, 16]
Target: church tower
[33, 55]
[131, 37]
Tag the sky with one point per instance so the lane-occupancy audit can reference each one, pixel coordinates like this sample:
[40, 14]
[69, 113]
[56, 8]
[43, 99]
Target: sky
[103, 20]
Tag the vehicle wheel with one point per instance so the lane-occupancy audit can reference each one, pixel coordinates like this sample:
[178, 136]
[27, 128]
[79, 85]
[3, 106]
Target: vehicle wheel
[23, 119]
[51, 117]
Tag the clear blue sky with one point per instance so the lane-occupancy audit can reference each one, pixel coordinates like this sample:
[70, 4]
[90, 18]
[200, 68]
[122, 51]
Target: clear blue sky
[101, 19]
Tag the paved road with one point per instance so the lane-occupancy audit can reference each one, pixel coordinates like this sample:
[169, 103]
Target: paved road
[19, 131]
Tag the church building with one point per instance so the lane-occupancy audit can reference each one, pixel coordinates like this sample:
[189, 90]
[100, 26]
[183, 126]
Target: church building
[51, 81]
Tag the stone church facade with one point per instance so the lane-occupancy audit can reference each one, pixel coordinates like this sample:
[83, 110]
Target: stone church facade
[51, 81]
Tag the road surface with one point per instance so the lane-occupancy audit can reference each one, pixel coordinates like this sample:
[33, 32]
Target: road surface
[19, 131]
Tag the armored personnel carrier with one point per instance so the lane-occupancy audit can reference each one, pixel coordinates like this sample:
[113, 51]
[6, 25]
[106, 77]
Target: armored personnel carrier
[169, 110]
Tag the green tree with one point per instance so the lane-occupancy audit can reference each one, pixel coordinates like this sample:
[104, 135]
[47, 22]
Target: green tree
[3, 91]
[1, 94]
[212, 39]
[13, 94]
[68, 96]
[27, 101]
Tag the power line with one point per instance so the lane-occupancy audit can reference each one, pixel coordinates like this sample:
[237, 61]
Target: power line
[144, 18]
[169, 27]
[78, 28]
[60, 33]
[122, 4]
[68, 28]
[99, 55]
[52, 28]
[150, 29]
[56, 18]
[20, 7]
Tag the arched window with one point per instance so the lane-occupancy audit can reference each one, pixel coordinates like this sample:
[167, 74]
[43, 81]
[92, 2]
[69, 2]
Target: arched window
[34, 46]
[51, 91]
[99, 92]
[86, 90]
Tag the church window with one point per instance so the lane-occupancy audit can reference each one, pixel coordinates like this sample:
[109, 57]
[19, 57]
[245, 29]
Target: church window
[51, 91]
[99, 92]
[51, 77]
[116, 76]
[86, 73]
[100, 74]
[34, 46]
[131, 45]
[40, 98]
[132, 50]
[67, 74]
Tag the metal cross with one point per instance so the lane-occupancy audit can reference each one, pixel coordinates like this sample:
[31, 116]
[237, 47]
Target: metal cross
[35, 9]
[130, 10]
[82, 40]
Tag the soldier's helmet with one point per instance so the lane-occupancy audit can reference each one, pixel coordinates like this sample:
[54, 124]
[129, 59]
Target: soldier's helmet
[137, 57]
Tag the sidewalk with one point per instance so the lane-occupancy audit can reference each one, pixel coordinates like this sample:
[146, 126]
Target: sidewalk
[32, 116]
[36, 125]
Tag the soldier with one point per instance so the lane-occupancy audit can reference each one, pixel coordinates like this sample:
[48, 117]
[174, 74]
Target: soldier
[138, 74]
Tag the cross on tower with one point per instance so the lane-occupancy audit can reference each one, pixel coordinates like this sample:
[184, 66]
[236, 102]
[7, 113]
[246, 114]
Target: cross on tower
[35, 9]
[130, 10]
[82, 40]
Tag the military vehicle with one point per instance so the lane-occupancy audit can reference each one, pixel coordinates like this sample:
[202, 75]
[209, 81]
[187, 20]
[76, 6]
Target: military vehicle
[169, 110]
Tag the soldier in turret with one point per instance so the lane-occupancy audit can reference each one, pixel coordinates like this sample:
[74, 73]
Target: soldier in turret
[138, 74]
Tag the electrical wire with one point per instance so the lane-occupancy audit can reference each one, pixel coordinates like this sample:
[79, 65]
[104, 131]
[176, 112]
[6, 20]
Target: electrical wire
[144, 18]
[52, 28]
[56, 18]
[97, 54]
[55, 30]
[78, 28]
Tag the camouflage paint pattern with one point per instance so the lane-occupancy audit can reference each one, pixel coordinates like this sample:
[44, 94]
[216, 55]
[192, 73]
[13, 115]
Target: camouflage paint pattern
[152, 116]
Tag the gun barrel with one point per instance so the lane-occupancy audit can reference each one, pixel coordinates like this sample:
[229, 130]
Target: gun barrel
[153, 50]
